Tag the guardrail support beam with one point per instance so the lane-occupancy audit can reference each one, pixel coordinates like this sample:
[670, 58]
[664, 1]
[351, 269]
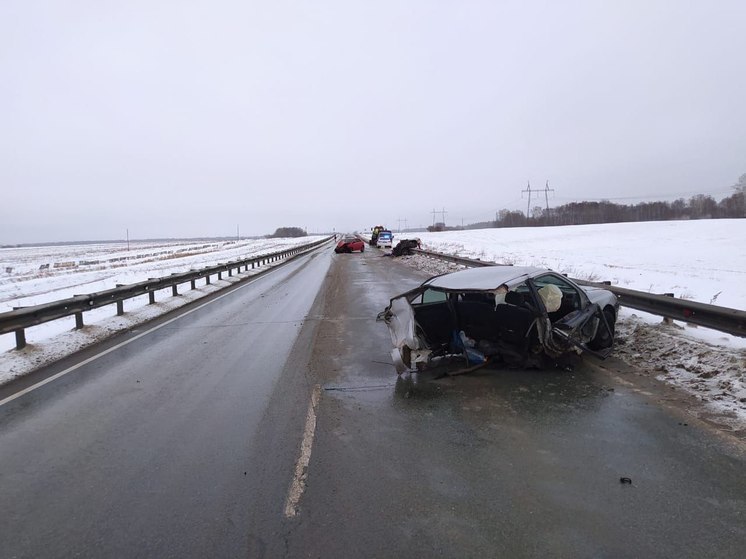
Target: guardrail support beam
[174, 290]
[151, 297]
[207, 279]
[194, 284]
[120, 308]
[20, 338]
[79, 320]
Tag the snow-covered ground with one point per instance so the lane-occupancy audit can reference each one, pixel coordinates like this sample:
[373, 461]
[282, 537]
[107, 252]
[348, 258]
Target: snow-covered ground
[28, 276]
[702, 260]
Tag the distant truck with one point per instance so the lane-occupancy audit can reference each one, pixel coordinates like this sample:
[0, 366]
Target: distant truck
[374, 234]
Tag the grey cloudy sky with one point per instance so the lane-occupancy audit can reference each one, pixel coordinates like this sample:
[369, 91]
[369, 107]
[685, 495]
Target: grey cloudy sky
[187, 118]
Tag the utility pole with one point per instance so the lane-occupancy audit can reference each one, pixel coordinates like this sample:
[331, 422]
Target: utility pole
[128, 240]
[238, 235]
[528, 206]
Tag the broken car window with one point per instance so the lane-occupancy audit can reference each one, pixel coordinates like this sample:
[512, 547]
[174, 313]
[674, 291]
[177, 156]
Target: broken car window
[432, 296]
[571, 298]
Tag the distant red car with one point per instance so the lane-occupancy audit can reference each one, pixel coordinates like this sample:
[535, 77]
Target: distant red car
[349, 244]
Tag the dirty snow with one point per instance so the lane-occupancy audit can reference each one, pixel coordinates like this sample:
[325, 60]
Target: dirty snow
[26, 285]
[701, 260]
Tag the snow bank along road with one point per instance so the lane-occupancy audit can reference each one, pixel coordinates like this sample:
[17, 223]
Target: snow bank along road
[208, 437]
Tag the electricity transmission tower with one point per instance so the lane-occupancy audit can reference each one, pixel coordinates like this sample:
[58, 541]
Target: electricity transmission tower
[405, 223]
[547, 190]
[442, 213]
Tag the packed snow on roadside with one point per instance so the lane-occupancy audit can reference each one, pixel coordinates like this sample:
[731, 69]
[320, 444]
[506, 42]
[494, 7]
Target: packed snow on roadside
[702, 260]
[92, 268]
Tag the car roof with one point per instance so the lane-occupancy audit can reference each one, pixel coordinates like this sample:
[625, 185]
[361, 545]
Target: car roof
[488, 277]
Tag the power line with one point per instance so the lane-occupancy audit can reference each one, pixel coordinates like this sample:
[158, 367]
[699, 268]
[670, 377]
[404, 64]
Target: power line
[647, 196]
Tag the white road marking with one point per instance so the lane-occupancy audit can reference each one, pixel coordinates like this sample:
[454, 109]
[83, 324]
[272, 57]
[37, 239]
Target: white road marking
[137, 337]
[301, 467]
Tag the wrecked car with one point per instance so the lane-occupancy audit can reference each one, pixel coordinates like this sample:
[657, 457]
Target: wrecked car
[514, 315]
[405, 246]
[348, 244]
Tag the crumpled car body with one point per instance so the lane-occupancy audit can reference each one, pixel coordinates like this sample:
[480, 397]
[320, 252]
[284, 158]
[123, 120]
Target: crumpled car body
[349, 244]
[516, 315]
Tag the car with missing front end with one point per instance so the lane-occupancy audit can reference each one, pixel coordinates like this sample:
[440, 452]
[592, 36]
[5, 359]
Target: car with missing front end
[519, 316]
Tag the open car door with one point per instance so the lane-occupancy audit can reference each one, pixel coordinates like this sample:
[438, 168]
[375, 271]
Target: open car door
[579, 327]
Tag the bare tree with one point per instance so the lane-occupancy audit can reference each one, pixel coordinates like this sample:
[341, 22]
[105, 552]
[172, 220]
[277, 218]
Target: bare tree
[740, 186]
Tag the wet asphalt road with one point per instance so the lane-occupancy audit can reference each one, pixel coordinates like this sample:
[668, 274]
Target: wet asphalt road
[183, 444]
[499, 463]
[148, 451]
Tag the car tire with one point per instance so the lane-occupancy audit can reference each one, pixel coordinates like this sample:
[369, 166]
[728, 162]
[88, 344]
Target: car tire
[604, 339]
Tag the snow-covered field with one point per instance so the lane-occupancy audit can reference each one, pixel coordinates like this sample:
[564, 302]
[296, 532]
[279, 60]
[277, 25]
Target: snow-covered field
[35, 275]
[701, 260]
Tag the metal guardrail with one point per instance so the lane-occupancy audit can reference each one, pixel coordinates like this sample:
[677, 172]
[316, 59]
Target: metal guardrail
[723, 319]
[456, 259]
[21, 318]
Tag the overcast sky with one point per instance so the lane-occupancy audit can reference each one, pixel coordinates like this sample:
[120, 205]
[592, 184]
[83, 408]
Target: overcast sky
[179, 118]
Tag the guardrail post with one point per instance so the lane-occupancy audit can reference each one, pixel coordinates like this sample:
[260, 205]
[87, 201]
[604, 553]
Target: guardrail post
[79, 320]
[220, 275]
[174, 290]
[252, 265]
[230, 272]
[668, 319]
[151, 297]
[194, 284]
[20, 338]
[120, 304]
[207, 279]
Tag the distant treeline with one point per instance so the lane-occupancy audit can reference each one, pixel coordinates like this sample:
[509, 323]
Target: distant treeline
[285, 232]
[580, 213]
